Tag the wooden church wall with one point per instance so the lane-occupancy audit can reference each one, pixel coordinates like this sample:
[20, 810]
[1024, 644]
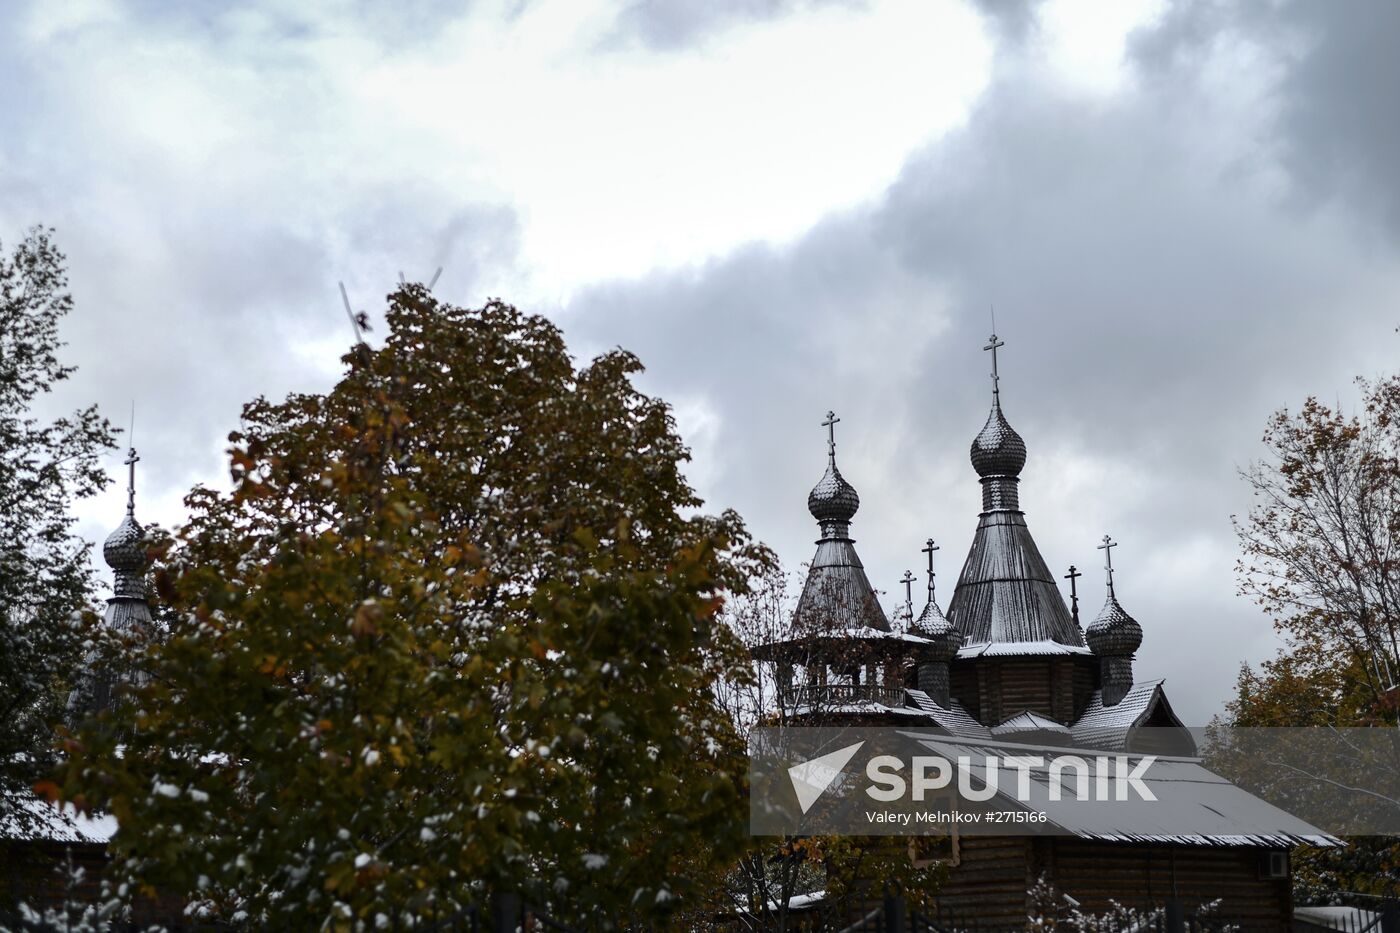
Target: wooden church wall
[40, 873]
[993, 874]
[990, 881]
[1026, 684]
[994, 689]
[962, 683]
[37, 872]
[1096, 872]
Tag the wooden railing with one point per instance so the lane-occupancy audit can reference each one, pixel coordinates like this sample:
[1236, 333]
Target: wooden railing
[827, 695]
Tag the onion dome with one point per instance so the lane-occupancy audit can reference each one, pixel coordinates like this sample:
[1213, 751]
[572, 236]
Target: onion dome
[944, 637]
[833, 499]
[1114, 633]
[998, 450]
[833, 502]
[124, 550]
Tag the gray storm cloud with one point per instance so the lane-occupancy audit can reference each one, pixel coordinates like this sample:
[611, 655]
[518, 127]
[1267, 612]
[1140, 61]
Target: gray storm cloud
[1168, 266]
[1170, 259]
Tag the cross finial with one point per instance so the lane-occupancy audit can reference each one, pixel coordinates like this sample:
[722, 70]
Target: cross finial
[993, 344]
[1107, 547]
[130, 461]
[908, 581]
[1072, 577]
[929, 548]
[830, 425]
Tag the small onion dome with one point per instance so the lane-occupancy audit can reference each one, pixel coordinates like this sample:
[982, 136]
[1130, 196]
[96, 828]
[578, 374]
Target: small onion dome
[124, 549]
[833, 499]
[944, 635]
[1114, 633]
[998, 450]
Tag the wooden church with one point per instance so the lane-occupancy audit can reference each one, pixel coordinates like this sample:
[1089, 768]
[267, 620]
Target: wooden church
[1008, 666]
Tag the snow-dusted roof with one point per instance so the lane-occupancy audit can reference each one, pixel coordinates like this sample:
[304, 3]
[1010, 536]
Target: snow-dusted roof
[954, 717]
[864, 634]
[861, 634]
[837, 592]
[795, 903]
[1339, 918]
[1006, 594]
[998, 649]
[857, 705]
[1027, 721]
[1194, 806]
[31, 819]
[1102, 726]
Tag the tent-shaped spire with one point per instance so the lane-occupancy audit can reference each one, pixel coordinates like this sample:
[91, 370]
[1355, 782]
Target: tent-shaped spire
[837, 596]
[1006, 596]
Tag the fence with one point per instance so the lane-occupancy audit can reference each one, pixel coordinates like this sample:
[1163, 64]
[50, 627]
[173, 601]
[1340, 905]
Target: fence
[1366, 913]
[895, 915]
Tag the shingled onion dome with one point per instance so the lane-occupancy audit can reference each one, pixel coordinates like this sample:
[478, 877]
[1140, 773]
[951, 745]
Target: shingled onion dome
[943, 636]
[1114, 637]
[833, 502]
[998, 450]
[944, 640]
[125, 552]
[1114, 633]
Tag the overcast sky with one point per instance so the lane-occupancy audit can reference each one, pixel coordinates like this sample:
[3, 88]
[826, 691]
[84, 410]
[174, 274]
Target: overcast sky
[1186, 216]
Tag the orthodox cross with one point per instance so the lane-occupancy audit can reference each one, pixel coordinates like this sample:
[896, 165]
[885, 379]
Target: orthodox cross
[907, 580]
[929, 549]
[996, 378]
[356, 320]
[1107, 547]
[130, 462]
[830, 425]
[1072, 576]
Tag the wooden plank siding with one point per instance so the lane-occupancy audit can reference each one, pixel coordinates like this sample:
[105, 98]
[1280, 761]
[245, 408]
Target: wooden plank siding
[1095, 873]
[989, 884]
[991, 881]
[995, 689]
[37, 872]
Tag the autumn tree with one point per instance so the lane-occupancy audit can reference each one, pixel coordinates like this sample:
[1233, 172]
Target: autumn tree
[46, 582]
[451, 634]
[1321, 555]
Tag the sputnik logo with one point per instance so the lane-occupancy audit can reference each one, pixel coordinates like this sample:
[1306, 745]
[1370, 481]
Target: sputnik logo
[811, 778]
